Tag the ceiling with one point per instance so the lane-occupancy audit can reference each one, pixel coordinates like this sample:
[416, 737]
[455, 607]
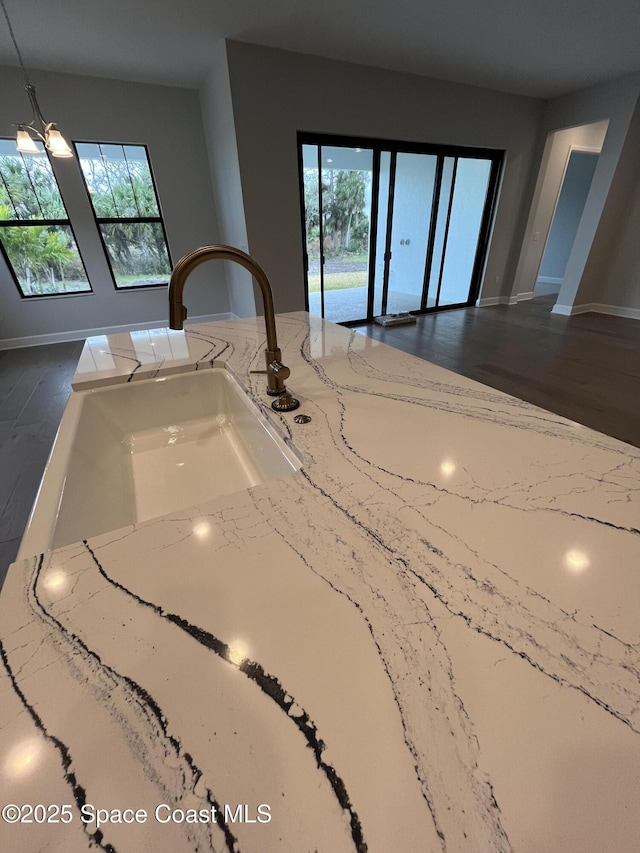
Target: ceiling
[541, 48]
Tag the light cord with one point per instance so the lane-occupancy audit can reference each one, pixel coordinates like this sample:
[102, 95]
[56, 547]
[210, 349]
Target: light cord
[15, 43]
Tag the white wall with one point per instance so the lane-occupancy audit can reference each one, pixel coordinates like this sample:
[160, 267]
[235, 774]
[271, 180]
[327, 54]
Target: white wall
[276, 93]
[168, 121]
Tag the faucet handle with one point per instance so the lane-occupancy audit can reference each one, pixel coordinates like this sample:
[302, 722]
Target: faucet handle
[280, 370]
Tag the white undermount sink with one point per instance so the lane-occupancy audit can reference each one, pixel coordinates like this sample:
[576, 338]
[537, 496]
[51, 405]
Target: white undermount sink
[128, 453]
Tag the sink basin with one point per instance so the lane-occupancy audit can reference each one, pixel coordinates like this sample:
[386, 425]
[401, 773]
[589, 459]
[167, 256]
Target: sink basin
[128, 453]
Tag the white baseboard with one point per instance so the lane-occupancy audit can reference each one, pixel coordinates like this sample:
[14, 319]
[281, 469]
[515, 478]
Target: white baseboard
[81, 334]
[597, 308]
[522, 297]
[617, 311]
[485, 301]
[548, 279]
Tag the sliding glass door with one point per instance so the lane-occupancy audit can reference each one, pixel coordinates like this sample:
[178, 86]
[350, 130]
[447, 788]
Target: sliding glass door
[337, 217]
[464, 192]
[389, 230]
[404, 223]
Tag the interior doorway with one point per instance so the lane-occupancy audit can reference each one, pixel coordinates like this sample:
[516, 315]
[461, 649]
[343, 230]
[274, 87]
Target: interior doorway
[576, 183]
[390, 227]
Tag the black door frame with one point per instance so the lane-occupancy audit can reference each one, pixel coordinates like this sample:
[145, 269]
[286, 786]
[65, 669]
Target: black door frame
[394, 147]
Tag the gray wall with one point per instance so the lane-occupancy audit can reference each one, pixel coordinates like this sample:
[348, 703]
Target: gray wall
[611, 281]
[220, 133]
[276, 93]
[590, 259]
[168, 121]
[558, 146]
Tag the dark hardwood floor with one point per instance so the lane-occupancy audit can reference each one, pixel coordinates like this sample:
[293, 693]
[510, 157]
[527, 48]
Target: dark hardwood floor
[586, 368]
[35, 383]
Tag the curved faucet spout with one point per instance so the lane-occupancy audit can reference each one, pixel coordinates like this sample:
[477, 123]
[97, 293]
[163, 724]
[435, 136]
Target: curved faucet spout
[276, 371]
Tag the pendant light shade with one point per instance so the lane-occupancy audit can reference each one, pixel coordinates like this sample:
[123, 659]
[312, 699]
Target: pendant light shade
[24, 142]
[56, 143]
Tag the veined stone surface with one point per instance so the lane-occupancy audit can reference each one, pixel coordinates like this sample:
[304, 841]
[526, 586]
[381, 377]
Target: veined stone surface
[424, 640]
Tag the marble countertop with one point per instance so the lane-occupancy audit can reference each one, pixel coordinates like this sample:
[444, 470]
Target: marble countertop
[424, 640]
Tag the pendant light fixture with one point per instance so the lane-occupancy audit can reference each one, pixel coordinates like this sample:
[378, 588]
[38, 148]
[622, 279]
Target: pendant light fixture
[54, 141]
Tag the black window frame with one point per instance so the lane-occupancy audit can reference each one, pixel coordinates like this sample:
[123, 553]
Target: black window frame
[125, 220]
[30, 223]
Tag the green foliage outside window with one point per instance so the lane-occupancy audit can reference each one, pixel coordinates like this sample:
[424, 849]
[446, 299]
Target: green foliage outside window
[34, 229]
[124, 200]
[345, 224]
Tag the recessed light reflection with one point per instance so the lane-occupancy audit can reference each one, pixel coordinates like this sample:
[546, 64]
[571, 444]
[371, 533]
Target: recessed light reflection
[173, 432]
[238, 652]
[56, 580]
[447, 467]
[23, 758]
[202, 529]
[576, 561]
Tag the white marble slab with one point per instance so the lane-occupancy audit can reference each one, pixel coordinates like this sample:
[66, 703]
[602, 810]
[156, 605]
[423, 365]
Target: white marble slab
[425, 640]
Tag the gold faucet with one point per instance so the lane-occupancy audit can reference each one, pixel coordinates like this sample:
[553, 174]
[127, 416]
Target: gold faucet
[276, 371]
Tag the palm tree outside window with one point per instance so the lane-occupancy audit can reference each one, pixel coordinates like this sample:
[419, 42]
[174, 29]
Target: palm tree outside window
[120, 185]
[36, 237]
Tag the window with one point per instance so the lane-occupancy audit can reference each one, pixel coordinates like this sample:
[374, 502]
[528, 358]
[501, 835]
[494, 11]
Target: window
[122, 192]
[35, 234]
